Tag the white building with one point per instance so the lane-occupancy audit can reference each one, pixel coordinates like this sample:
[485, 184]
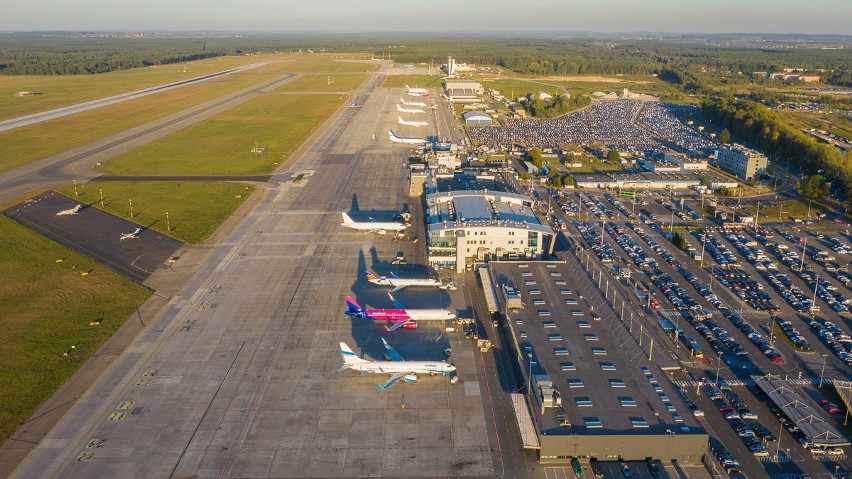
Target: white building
[685, 163]
[466, 227]
[463, 91]
[741, 161]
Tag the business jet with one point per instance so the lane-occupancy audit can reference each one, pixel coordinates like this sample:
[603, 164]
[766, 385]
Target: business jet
[402, 139]
[411, 103]
[409, 110]
[412, 123]
[416, 91]
[72, 211]
[380, 227]
[397, 367]
[400, 317]
[399, 283]
[132, 235]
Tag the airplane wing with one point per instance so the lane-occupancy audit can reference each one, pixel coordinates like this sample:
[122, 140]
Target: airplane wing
[393, 380]
[394, 275]
[398, 324]
[395, 302]
[397, 288]
[392, 352]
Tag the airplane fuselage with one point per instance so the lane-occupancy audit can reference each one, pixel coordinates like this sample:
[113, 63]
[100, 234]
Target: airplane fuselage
[417, 367]
[412, 314]
[404, 282]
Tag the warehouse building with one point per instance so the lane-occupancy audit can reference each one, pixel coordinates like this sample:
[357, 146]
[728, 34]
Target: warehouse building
[463, 91]
[473, 226]
[476, 118]
[589, 392]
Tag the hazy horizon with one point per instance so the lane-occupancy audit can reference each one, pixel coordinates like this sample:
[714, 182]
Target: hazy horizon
[820, 17]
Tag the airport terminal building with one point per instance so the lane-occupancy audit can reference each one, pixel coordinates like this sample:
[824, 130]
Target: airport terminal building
[467, 227]
[590, 392]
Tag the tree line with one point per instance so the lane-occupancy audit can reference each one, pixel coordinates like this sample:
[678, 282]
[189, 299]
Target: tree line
[556, 106]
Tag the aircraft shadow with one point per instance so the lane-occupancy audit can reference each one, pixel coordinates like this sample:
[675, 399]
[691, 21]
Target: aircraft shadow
[426, 342]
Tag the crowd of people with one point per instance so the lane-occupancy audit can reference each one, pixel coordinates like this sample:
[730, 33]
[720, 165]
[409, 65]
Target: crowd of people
[623, 125]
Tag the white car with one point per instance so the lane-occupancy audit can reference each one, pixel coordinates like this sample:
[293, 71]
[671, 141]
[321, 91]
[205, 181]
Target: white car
[698, 413]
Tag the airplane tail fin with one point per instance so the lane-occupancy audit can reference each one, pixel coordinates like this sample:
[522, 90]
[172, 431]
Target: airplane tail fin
[352, 306]
[349, 356]
[371, 276]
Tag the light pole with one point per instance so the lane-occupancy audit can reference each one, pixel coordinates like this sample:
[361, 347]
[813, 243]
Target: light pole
[703, 244]
[718, 366]
[529, 376]
[822, 371]
[809, 207]
[778, 448]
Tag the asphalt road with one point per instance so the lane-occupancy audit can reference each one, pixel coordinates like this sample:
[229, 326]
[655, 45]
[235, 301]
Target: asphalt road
[91, 105]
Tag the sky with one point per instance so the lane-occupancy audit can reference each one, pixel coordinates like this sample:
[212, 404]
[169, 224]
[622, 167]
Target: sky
[498, 16]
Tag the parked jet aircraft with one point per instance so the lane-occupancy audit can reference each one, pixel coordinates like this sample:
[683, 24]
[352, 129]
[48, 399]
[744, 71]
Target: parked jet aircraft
[416, 91]
[402, 139]
[399, 283]
[397, 367]
[72, 211]
[409, 110]
[412, 123]
[400, 317]
[411, 103]
[380, 227]
[132, 235]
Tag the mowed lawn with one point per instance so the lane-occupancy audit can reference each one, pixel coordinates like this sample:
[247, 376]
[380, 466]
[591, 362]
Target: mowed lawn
[320, 83]
[56, 91]
[327, 66]
[45, 308]
[25, 145]
[195, 209]
[414, 81]
[222, 145]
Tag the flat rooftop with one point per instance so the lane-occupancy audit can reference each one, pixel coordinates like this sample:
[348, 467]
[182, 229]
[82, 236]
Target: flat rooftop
[602, 391]
[802, 412]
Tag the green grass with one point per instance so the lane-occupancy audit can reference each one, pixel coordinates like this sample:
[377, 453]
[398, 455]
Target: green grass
[63, 90]
[326, 66]
[45, 308]
[514, 87]
[222, 144]
[319, 83]
[195, 209]
[25, 145]
[414, 81]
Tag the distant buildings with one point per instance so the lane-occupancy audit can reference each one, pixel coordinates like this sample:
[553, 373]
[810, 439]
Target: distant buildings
[741, 161]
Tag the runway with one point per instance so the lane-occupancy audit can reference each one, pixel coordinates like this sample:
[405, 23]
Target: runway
[91, 105]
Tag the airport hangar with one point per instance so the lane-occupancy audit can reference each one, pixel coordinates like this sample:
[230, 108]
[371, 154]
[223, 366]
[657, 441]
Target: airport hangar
[588, 400]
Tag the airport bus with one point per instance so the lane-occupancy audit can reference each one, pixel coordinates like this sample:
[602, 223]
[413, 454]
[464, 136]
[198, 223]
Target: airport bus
[628, 194]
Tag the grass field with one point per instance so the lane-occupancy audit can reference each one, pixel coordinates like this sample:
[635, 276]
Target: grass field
[222, 145]
[63, 90]
[327, 65]
[320, 83]
[45, 308]
[25, 145]
[519, 87]
[195, 209]
[415, 81]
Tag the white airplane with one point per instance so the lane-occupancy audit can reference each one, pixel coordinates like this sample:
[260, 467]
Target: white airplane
[412, 123]
[132, 235]
[416, 91]
[409, 110]
[399, 283]
[397, 367]
[401, 139]
[380, 227]
[72, 211]
[411, 103]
